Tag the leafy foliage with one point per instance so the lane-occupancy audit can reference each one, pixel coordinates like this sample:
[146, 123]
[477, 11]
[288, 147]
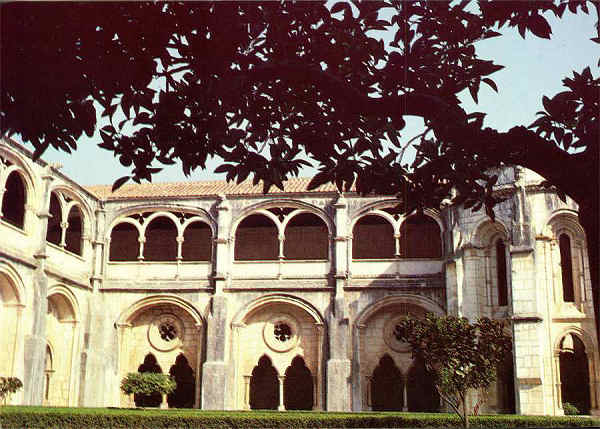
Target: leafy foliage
[570, 409]
[461, 355]
[78, 418]
[8, 386]
[147, 383]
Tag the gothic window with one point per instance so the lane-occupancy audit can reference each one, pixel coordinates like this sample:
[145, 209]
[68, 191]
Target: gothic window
[501, 276]
[264, 386]
[74, 230]
[306, 237]
[124, 244]
[298, 386]
[373, 238]
[420, 389]
[197, 242]
[420, 237]
[13, 200]
[387, 386]
[161, 240]
[566, 264]
[54, 233]
[185, 393]
[149, 365]
[256, 239]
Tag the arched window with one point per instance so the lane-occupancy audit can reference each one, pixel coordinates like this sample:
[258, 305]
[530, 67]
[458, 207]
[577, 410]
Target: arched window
[256, 239]
[74, 230]
[420, 237]
[264, 386]
[197, 242]
[306, 237]
[298, 386]
[420, 389]
[54, 233]
[373, 238]
[161, 240]
[566, 265]
[13, 201]
[387, 386]
[501, 276]
[124, 243]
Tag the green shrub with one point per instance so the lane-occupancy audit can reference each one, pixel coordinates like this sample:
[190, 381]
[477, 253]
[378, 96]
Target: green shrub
[8, 386]
[147, 383]
[80, 418]
[570, 409]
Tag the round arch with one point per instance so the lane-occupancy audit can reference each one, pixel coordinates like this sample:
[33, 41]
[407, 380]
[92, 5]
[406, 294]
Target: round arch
[15, 281]
[20, 164]
[76, 200]
[561, 220]
[420, 301]
[485, 230]
[588, 340]
[258, 303]
[376, 212]
[69, 297]
[134, 309]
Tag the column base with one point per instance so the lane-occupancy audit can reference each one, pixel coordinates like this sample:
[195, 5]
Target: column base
[338, 389]
[213, 385]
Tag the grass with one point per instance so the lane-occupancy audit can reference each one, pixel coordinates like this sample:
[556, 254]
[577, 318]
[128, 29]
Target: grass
[75, 418]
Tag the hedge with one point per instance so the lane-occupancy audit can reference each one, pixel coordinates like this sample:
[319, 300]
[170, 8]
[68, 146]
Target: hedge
[80, 418]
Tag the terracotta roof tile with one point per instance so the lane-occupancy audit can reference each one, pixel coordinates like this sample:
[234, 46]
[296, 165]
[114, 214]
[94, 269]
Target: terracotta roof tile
[201, 189]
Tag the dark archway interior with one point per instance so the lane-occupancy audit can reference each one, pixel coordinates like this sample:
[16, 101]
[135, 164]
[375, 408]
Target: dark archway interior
[161, 240]
[73, 233]
[387, 386]
[13, 201]
[298, 386]
[124, 244]
[501, 272]
[420, 238]
[306, 237]
[575, 377]
[506, 385]
[53, 235]
[197, 242]
[422, 396]
[264, 386]
[566, 265]
[185, 393]
[373, 238]
[256, 239]
[149, 365]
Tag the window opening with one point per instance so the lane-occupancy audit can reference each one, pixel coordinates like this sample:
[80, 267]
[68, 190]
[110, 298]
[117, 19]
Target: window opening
[566, 264]
[306, 237]
[13, 200]
[124, 243]
[256, 239]
[373, 238]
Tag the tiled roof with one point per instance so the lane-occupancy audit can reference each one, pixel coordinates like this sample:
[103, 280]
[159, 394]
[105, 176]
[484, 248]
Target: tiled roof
[201, 189]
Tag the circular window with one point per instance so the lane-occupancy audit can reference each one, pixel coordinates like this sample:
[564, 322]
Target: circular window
[281, 333]
[165, 332]
[391, 334]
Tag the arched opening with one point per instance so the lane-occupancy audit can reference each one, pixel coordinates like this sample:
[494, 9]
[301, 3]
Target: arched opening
[566, 265]
[306, 237]
[420, 389]
[501, 272]
[13, 201]
[149, 365]
[161, 240]
[124, 243]
[256, 239]
[197, 242]
[9, 315]
[264, 386]
[505, 385]
[298, 393]
[387, 387]
[373, 238]
[184, 394]
[54, 233]
[574, 374]
[74, 231]
[420, 237]
[48, 370]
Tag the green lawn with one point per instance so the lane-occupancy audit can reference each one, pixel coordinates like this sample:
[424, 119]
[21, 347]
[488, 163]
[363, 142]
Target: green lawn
[79, 418]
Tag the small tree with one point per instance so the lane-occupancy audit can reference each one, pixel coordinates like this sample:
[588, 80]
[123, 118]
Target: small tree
[147, 383]
[460, 355]
[8, 386]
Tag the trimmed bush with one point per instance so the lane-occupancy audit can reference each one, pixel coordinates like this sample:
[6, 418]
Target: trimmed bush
[80, 418]
[570, 409]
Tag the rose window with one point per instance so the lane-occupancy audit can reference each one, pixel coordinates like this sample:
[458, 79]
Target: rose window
[282, 332]
[167, 331]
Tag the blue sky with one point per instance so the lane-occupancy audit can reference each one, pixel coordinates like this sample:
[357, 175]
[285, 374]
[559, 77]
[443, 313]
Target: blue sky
[533, 67]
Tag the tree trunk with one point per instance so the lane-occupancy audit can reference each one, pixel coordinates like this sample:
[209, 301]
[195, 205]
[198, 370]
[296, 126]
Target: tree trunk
[464, 410]
[589, 219]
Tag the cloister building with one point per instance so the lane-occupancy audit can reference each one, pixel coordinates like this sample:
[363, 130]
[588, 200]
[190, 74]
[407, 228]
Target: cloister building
[285, 301]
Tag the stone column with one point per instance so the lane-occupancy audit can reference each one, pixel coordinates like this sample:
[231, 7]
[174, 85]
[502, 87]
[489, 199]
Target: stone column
[247, 392]
[281, 406]
[35, 343]
[338, 365]
[214, 379]
[318, 377]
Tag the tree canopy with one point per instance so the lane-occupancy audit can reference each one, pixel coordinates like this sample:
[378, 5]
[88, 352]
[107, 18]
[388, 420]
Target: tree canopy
[266, 85]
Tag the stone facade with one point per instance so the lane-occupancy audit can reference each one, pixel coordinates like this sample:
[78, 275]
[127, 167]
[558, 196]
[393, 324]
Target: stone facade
[283, 301]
